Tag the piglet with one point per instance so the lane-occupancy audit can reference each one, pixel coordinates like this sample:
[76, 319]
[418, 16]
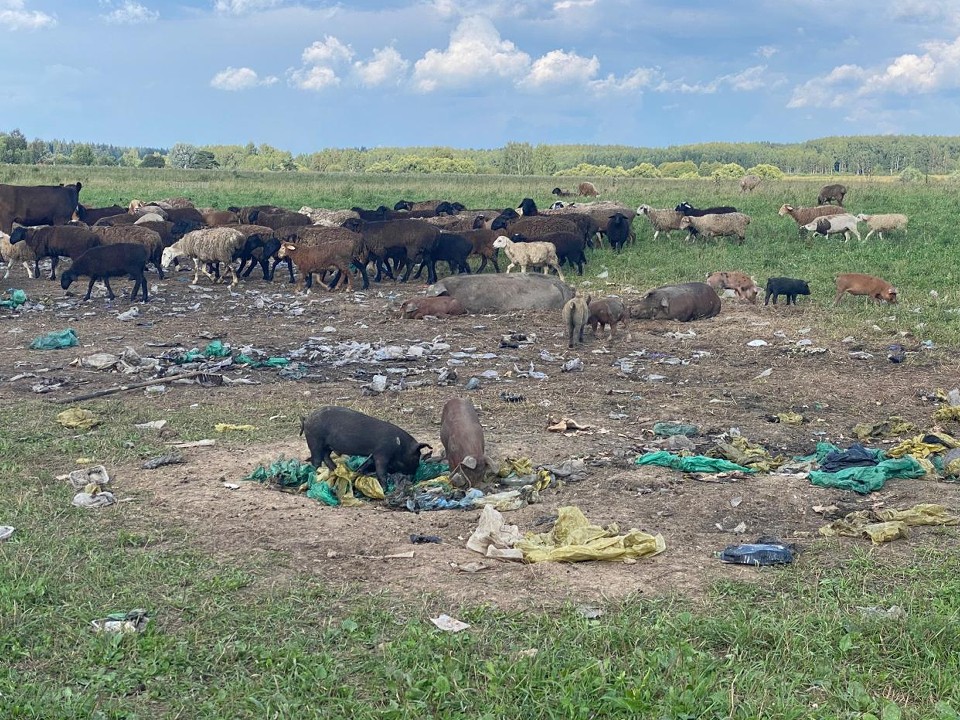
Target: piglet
[348, 432]
[462, 438]
[860, 284]
[438, 306]
[607, 312]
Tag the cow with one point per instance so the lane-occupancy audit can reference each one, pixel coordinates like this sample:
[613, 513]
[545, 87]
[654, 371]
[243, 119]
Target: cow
[37, 205]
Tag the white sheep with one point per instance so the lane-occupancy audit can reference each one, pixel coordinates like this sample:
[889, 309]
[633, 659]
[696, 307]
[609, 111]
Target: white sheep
[835, 224]
[883, 223]
[207, 245]
[662, 219]
[535, 254]
[18, 252]
[327, 218]
[718, 224]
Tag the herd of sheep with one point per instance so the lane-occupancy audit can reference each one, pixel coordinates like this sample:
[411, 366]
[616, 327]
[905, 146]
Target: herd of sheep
[337, 245]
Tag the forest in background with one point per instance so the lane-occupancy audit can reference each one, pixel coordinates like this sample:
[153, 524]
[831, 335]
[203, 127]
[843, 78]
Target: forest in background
[874, 155]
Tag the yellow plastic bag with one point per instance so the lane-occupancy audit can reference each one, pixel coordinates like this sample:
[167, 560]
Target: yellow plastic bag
[574, 539]
[77, 418]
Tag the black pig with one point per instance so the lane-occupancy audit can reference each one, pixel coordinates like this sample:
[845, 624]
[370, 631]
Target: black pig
[345, 431]
[785, 286]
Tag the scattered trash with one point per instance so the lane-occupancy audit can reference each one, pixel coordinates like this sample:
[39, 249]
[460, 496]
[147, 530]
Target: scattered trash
[130, 314]
[83, 479]
[690, 463]
[161, 460]
[896, 354]
[472, 384]
[154, 390]
[894, 425]
[574, 539]
[667, 429]
[78, 419]
[152, 425]
[470, 567]
[884, 525]
[512, 397]
[96, 499]
[590, 612]
[131, 622]
[493, 537]
[100, 361]
[228, 427]
[860, 355]
[757, 343]
[6, 531]
[894, 612]
[423, 539]
[574, 365]
[765, 373]
[231, 486]
[449, 624]
[864, 480]
[17, 298]
[787, 418]
[567, 424]
[757, 554]
[56, 340]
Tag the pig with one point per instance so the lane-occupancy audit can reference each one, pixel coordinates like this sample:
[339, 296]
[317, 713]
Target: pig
[462, 438]
[346, 431]
[790, 287]
[576, 311]
[741, 283]
[686, 302]
[607, 312]
[860, 284]
[439, 306]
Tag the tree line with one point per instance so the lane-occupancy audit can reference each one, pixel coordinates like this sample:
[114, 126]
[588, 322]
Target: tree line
[858, 155]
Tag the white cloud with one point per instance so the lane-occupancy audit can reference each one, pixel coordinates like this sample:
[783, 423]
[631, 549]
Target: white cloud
[476, 53]
[384, 67]
[239, 79]
[561, 5]
[832, 90]
[558, 66]
[328, 50]
[765, 51]
[633, 81]
[936, 69]
[313, 78]
[753, 78]
[925, 12]
[241, 7]
[129, 13]
[15, 16]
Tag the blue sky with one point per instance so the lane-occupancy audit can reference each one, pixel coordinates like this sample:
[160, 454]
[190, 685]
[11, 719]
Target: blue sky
[303, 75]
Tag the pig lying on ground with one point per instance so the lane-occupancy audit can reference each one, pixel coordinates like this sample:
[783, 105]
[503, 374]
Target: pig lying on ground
[686, 302]
[607, 312]
[346, 431]
[860, 284]
[501, 292]
[790, 287]
[439, 306]
[462, 438]
[741, 283]
[575, 312]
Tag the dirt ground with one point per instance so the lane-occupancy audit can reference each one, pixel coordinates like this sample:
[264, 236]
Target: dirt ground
[703, 373]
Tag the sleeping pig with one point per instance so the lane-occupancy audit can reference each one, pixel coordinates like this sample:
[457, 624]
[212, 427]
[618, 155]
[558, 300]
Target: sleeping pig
[686, 302]
[462, 438]
[346, 431]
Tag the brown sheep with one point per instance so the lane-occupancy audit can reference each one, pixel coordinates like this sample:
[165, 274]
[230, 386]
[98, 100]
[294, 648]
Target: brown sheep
[587, 188]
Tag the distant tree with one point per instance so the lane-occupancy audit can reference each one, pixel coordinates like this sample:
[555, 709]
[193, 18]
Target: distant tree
[182, 155]
[910, 175]
[644, 170]
[130, 158]
[676, 169]
[82, 155]
[204, 160]
[544, 161]
[155, 160]
[766, 171]
[729, 171]
[517, 159]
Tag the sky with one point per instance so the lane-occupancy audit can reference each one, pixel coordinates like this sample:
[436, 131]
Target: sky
[303, 75]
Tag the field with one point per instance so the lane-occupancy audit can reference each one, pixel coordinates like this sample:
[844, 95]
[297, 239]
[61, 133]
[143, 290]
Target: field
[268, 604]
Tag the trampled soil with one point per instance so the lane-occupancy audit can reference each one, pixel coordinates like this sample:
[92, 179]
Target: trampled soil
[703, 373]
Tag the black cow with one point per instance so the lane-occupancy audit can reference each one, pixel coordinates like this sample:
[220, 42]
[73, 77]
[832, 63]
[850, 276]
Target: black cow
[37, 205]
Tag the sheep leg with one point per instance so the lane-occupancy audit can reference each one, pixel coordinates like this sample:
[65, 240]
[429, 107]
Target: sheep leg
[196, 271]
[557, 268]
[509, 267]
[54, 259]
[89, 288]
[871, 233]
[106, 283]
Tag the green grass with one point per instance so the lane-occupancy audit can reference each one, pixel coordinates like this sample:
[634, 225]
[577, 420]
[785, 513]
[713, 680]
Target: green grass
[243, 639]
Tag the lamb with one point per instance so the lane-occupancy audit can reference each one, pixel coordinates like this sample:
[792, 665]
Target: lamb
[107, 261]
[346, 242]
[19, 252]
[56, 241]
[207, 245]
[831, 192]
[311, 259]
[536, 254]
[835, 224]
[749, 183]
[718, 225]
[883, 223]
[805, 215]
[150, 240]
[587, 188]
[571, 248]
[663, 220]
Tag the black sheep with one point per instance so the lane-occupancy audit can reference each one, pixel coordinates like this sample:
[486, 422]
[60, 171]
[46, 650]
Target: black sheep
[570, 246]
[618, 230]
[107, 261]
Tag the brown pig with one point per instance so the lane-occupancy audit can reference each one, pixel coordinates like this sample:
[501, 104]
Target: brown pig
[741, 283]
[439, 306]
[860, 284]
[462, 438]
[607, 312]
[576, 312]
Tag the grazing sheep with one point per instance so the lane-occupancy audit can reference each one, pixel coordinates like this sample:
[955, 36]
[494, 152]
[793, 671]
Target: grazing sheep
[527, 207]
[718, 225]
[91, 215]
[120, 219]
[327, 218]
[414, 239]
[663, 220]
[880, 224]
[833, 225]
[600, 213]
[571, 247]
[587, 188]
[805, 215]
[55, 241]
[122, 234]
[537, 225]
[149, 218]
[277, 220]
[482, 241]
[829, 193]
[19, 252]
[535, 254]
[150, 210]
[207, 245]
[318, 236]
[254, 251]
[576, 312]
[217, 218]
[453, 248]
[107, 261]
[749, 183]
[185, 215]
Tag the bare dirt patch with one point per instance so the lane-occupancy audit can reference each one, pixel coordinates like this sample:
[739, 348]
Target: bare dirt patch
[702, 373]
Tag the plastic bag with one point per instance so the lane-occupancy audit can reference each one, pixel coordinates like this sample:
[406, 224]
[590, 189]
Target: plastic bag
[56, 340]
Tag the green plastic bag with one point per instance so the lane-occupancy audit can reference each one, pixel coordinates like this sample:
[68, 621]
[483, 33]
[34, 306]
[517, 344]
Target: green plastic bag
[55, 340]
[865, 480]
[216, 349]
[690, 463]
[17, 298]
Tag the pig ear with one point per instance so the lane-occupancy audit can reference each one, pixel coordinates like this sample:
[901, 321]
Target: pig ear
[470, 462]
